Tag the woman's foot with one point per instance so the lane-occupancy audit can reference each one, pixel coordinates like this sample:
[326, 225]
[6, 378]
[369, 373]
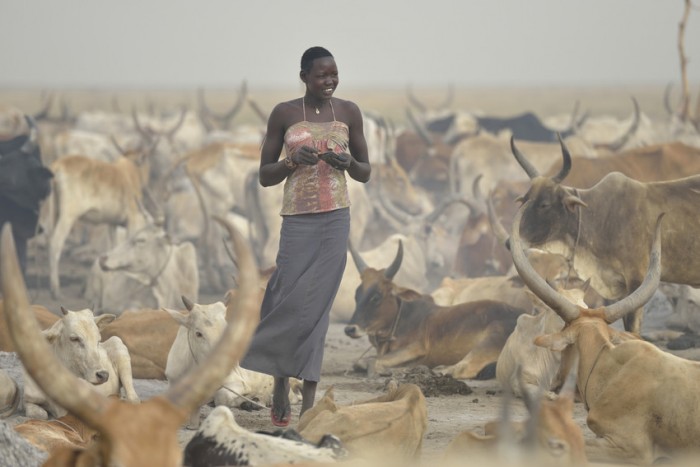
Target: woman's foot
[281, 411]
[281, 416]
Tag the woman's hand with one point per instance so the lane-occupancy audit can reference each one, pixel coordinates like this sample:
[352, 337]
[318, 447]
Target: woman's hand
[339, 161]
[306, 155]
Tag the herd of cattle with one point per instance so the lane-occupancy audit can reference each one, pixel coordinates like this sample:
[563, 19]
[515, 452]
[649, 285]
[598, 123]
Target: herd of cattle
[483, 247]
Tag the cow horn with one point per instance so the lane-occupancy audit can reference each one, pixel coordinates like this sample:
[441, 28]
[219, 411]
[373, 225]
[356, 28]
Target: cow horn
[566, 165]
[437, 212]
[31, 143]
[567, 310]
[420, 129]
[667, 99]
[357, 258]
[189, 305]
[242, 314]
[414, 100]
[393, 268]
[646, 290]
[622, 140]
[225, 118]
[47, 98]
[37, 357]
[499, 231]
[529, 169]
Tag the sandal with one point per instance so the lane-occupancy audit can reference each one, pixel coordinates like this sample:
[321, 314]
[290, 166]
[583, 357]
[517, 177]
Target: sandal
[281, 419]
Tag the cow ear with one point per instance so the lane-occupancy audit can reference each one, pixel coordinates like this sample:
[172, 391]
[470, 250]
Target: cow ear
[556, 342]
[571, 201]
[52, 333]
[104, 320]
[182, 317]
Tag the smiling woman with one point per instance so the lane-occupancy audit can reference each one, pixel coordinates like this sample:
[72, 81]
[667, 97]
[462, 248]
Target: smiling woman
[320, 146]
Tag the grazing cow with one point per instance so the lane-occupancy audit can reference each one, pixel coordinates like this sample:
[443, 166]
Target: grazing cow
[97, 192]
[201, 326]
[24, 181]
[550, 436]
[592, 226]
[222, 441]
[391, 425]
[75, 341]
[143, 434]
[406, 327]
[642, 402]
[149, 262]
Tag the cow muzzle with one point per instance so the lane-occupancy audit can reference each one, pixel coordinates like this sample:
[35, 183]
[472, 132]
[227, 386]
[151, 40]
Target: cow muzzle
[354, 331]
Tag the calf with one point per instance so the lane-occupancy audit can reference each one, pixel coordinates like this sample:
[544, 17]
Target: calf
[408, 328]
[75, 340]
[221, 441]
[147, 261]
[201, 326]
[96, 192]
[391, 425]
[642, 402]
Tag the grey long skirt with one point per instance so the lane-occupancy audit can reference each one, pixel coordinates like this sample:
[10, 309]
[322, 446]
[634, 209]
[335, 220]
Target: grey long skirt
[295, 311]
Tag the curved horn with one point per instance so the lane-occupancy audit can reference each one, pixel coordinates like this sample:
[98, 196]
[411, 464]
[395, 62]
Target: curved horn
[646, 290]
[667, 99]
[622, 140]
[393, 268]
[420, 129]
[258, 111]
[114, 141]
[53, 378]
[437, 212]
[357, 258]
[414, 100]
[48, 101]
[499, 231]
[144, 132]
[566, 165]
[225, 118]
[181, 119]
[193, 389]
[529, 169]
[567, 310]
[449, 99]
[189, 305]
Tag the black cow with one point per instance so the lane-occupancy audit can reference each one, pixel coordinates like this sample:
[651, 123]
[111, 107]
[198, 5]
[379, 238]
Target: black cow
[24, 184]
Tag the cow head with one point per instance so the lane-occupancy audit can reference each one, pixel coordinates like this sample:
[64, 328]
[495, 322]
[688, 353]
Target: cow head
[376, 301]
[142, 256]
[204, 323]
[575, 316]
[75, 340]
[130, 434]
[550, 210]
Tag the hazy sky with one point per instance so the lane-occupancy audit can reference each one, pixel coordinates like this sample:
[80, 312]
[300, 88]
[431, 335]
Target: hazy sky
[387, 43]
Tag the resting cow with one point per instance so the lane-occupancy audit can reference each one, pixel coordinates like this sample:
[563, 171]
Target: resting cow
[201, 326]
[222, 441]
[408, 328]
[642, 403]
[143, 434]
[75, 341]
[606, 228]
[391, 425]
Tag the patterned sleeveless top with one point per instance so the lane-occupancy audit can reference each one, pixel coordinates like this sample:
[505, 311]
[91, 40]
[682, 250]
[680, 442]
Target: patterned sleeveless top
[315, 188]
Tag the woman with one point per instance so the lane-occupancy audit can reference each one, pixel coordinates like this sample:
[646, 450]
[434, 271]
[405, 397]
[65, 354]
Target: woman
[322, 138]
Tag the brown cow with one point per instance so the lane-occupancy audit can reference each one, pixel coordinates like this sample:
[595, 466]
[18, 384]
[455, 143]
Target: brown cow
[130, 434]
[642, 403]
[409, 328]
[391, 425]
[605, 228]
[44, 317]
[66, 432]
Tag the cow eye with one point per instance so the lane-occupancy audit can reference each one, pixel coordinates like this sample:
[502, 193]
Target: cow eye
[376, 298]
[545, 205]
[74, 339]
[199, 334]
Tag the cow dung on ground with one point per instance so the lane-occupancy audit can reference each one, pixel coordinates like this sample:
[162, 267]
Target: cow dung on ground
[430, 383]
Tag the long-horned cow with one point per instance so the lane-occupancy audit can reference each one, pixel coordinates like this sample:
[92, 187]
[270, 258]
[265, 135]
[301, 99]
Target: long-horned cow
[143, 434]
[605, 228]
[642, 402]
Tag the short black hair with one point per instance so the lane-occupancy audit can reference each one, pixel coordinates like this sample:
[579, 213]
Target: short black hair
[311, 54]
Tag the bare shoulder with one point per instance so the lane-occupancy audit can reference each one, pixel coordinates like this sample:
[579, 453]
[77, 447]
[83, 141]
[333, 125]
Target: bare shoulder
[287, 113]
[346, 111]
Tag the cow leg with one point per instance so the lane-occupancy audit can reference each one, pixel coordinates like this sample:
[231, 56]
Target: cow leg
[119, 357]
[35, 411]
[633, 321]
[628, 449]
[401, 356]
[56, 244]
[485, 351]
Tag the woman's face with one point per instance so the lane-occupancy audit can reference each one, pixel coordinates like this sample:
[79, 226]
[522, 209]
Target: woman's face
[322, 79]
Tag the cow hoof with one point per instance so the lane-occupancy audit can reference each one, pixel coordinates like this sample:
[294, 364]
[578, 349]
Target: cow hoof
[360, 367]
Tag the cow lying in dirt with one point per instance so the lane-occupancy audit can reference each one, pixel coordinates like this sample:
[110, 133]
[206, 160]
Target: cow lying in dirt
[408, 328]
[642, 403]
[391, 425]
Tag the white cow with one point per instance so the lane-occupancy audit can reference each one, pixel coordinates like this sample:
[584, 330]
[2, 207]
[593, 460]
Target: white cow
[222, 441]
[148, 270]
[201, 327]
[75, 339]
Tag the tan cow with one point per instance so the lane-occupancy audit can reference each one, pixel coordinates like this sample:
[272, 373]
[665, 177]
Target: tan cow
[75, 341]
[42, 314]
[66, 432]
[96, 192]
[642, 403]
[391, 425]
[129, 434]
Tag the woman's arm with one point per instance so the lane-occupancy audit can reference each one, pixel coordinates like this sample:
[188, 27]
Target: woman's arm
[359, 168]
[273, 170]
